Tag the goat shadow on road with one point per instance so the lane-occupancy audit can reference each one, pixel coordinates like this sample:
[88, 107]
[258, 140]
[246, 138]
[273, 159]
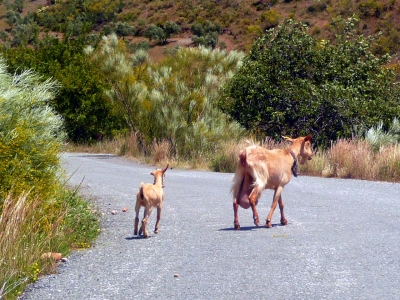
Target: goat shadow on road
[247, 228]
[141, 237]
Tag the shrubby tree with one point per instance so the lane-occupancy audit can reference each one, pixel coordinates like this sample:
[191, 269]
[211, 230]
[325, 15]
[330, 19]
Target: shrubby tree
[172, 101]
[205, 34]
[162, 34]
[124, 29]
[171, 28]
[153, 32]
[87, 112]
[293, 84]
[13, 18]
[25, 33]
[18, 5]
[124, 75]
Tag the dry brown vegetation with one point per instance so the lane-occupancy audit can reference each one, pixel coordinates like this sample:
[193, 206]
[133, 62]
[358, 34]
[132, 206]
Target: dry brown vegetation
[344, 159]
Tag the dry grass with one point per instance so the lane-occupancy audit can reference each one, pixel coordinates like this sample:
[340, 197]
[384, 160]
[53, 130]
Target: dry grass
[356, 159]
[345, 159]
[160, 152]
[22, 241]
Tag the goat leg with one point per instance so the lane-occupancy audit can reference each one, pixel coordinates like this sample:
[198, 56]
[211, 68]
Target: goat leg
[281, 206]
[253, 199]
[158, 218]
[236, 216]
[144, 229]
[135, 232]
[277, 196]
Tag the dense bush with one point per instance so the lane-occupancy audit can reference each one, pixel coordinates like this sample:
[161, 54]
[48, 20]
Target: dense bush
[292, 84]
[88, 114]
[30, 134]
[162, 33]
[205, 34]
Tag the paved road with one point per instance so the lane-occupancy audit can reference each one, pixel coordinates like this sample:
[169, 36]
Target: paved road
[342, 240]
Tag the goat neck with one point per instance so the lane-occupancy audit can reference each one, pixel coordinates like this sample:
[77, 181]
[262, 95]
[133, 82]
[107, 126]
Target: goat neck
[295, 147]
[159, 180]
[159, 176]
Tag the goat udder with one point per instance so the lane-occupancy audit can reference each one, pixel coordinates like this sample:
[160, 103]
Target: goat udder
[243, 199]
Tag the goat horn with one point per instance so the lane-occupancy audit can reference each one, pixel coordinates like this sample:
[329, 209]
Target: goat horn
[165, 168]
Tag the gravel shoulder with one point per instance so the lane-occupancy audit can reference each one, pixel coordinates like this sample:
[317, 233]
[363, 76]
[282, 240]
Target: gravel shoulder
[341, 242]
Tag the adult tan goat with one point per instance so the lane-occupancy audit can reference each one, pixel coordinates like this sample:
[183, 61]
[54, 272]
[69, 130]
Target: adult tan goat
[259, 168]
[150, 196]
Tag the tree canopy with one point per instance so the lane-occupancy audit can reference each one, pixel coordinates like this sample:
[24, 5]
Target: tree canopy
[292, 84]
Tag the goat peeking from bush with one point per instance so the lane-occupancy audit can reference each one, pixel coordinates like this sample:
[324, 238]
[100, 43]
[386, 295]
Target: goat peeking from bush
[150, 196]
[259, 168]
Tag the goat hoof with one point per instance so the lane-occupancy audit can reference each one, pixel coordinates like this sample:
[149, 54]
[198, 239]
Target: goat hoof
[284, 222]
[135, 232]
[156, 231]
[237, 226]
[257, 222]
[268, 224]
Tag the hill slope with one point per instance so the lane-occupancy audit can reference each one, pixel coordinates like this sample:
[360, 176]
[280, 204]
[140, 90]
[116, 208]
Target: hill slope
[240, 21]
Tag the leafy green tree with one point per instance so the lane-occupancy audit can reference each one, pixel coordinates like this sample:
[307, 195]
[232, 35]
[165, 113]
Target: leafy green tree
[292, 84]
[162, 34]
[13, 18]
[205, 34]
[87, 112]
[18, 5]
[171, 28]
[153, 32]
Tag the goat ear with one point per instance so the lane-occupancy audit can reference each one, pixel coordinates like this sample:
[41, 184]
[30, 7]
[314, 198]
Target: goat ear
[308, 137]
[287, 138]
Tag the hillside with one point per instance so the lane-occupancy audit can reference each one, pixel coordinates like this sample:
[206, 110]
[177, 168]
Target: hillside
[239, 21]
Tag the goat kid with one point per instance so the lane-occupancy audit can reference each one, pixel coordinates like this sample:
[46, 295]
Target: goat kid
[150, 196]
[259, 168]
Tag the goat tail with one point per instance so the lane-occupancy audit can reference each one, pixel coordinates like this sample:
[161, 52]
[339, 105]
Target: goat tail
[238, 178]
[140, 194]
[243, 158]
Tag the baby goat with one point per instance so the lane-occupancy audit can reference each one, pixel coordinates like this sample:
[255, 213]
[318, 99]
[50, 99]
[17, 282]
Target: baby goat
[150, 196]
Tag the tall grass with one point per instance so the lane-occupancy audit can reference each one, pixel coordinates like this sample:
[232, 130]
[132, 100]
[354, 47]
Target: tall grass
[29, 230]
[355, 158]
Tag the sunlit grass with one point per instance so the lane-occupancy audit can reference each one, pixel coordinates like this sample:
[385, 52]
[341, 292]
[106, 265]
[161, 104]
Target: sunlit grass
[345, 159]
[30, 229]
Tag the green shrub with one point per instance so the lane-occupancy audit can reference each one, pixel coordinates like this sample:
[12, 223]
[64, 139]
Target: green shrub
[81, 101]
[30, 133]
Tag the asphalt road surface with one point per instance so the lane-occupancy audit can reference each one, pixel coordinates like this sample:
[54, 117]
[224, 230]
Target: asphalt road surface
[342, 240]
